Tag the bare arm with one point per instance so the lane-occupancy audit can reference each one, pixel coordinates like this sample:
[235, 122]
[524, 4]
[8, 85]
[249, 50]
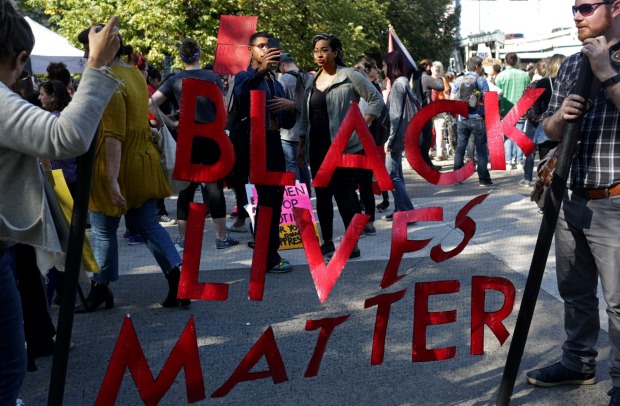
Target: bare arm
[155, 100]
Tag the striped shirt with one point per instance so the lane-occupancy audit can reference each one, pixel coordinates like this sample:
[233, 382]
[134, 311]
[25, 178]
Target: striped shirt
[597, 161]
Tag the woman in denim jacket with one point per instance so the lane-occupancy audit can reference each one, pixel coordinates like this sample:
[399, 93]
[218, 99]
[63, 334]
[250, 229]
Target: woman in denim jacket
[327, 100]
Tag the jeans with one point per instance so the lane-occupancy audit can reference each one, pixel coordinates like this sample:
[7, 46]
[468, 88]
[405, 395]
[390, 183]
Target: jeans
[302, 173]
[511, 149]
[587, 248]
[394, 165]
[476, 127]
[12, 341]
[105, 243]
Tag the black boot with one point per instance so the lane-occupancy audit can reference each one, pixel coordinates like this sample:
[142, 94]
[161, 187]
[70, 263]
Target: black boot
[99, 293]
[173, 277]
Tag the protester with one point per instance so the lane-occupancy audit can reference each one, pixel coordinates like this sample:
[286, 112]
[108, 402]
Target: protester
[368, 67]
[512, 81]
[474, 122]
[586, 243]
[401, 96]
[259, 76]
[328, 98]
[59, 71]
[442, 119]
[426, 82]
[26, 133]
[544, 144]
[294, 82]
[127, 180]
[212, 192]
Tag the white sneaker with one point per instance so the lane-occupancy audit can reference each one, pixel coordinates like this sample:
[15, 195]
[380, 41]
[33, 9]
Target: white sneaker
[236, 229]
[180, 246]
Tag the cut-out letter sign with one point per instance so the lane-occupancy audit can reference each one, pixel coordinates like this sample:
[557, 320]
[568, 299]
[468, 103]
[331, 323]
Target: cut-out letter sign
[479, 317]
[327, 326]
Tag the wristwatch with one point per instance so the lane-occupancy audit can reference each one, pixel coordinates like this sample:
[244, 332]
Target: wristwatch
[611, 80]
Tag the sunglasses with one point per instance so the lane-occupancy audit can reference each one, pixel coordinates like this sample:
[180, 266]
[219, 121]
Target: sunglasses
[587, 10]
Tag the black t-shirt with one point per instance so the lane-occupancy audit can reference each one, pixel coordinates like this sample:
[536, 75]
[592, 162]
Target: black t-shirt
[205, 112]
[204, 150]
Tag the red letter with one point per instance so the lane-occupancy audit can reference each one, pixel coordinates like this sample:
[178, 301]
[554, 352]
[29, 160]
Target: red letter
[400, 243]
[465, 224]
[384, 304]
[412, 143]
[325, 276]
[327, 326]
[496, 128]
[259, 256]
[189, 287]
[265, 346]
[479, 286]
[423, 318]
[189, 130]
[259, 174]
[353, 121]
[128, 354]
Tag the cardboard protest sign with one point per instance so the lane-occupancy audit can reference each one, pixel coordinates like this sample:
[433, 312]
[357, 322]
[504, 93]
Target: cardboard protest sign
[231, 51]
[294, 196]
[57, 180]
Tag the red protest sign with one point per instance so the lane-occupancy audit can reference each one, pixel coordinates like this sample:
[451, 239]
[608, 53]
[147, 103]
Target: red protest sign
[231, 52]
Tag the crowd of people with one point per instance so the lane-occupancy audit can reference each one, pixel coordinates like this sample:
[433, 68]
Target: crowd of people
[49, 127]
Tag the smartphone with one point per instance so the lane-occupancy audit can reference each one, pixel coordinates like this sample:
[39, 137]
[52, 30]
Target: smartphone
[273, 43]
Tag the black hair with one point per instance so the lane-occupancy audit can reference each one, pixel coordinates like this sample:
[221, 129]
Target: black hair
[59, 71]
[154, 73]
[59, 90]
[259, 34]
[473, 63]
[395, 65]
[15, 33]
[123, 50]
[334, 44]
[366, 62]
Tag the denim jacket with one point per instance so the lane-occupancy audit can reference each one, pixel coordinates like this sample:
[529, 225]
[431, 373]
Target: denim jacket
[348, 85]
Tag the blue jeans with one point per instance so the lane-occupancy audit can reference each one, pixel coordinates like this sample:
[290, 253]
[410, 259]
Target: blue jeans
[394, 165]
[12, 340]
[105, 243]
[302, 173]
[464, 128]
[511, 149]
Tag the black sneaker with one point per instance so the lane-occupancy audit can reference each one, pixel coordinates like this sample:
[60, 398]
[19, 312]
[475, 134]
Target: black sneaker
[557, 374]
[328, 248]
[389, 217]
[615, 396]
[382, 207]
[486, 183]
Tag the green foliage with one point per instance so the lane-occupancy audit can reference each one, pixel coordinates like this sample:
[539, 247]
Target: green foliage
[155, 28]
[426, 27]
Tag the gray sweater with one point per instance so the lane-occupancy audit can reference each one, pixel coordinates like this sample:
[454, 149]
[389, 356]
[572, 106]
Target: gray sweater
[28, 133]
[348, 85]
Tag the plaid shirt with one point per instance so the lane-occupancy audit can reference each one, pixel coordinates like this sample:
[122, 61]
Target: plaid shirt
[597, 161]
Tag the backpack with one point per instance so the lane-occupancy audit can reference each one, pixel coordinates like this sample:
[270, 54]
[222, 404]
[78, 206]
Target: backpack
[300, 87]
[469, 93]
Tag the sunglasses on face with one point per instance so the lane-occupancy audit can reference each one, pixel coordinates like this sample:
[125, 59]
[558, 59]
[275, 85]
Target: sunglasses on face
[586, 9]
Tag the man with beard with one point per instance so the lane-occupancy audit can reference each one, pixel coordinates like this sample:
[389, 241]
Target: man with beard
[587, 246]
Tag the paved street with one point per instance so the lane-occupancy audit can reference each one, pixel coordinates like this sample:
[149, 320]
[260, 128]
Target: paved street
[507, 225]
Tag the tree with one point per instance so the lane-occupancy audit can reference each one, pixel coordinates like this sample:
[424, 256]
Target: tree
[155, 28]
[426, 27]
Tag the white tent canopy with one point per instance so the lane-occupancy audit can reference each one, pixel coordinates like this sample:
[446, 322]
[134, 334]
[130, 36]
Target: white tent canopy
[51, 47]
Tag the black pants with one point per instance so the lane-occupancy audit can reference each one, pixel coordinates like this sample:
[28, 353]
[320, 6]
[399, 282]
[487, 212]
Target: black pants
[38, 326]
[268, 196]
[427, 142]
[366, 195]
[212, 196]
[342, 188]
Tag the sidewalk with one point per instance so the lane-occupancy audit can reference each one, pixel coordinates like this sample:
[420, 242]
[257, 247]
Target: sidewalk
[507, 225]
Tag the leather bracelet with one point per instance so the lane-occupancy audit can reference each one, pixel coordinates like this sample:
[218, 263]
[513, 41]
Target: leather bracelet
[611, 81]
